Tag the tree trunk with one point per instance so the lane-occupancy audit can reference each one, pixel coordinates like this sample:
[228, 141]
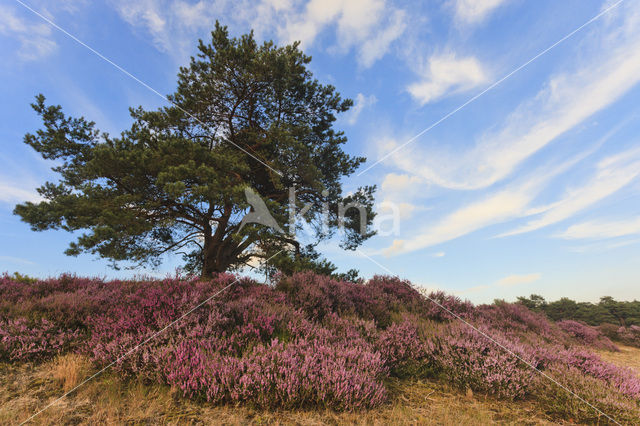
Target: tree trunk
[214, 258]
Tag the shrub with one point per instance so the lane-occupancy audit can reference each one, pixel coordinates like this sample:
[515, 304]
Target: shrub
[469, 359]
[517, 320]
[587, 335]
[21, 340]
[623, 380]
[310, 341]
[629, 335]
[336, 375]
[436, 301]
[405, 353]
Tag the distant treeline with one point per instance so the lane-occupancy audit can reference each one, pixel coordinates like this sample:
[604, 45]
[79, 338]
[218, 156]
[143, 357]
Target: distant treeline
[607, 311]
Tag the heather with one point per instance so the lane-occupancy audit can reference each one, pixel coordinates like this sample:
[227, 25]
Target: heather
[629, 336]
[308, 340]
[587, 335]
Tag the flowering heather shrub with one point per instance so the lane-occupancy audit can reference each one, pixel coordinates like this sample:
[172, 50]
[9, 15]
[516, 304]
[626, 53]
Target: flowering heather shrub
[631, 335]
[148, 309]
[406, 354]
[469, 359]
[627, 335]
[396, 295]
[400, 343]
[301, 373]
[516, 320]
[587, 335]
[231, 351]
[435, 311]
[624, 380]
[316, 295]
[310, 341]
[21, 340]
[18, 291]
[377, 300]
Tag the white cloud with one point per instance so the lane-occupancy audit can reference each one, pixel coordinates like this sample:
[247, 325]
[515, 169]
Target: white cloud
[368, 26]
[439, 254]
[473, 11]
[603, 245]
[361, 102]
[34, 35]
[499, 206]
[400, 183]
[13, 192]
[402, 210]
[513, 280]
[613, 173]
[566, 101]
[446, 74]
[168, 24]
[504, 205]
[378, 45]
[599, 229]
[515, 201]
[398, 194]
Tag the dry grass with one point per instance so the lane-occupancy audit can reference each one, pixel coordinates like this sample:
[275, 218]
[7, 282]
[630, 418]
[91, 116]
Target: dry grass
[69, 370]
[627, 357]
[25, 389]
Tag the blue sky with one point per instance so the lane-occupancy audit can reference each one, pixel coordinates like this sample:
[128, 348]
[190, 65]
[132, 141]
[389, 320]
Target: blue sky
[532, 187]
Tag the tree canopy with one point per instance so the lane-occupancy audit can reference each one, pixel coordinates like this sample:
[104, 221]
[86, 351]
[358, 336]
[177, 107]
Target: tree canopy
[244, 115]
[606, 311]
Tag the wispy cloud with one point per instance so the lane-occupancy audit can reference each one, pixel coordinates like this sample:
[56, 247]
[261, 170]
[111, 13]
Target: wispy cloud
[508, 281]
[13, 192]
[567, 99]
[377, 45]
[601, 229]
[497, 208]
[170, 25]
[516, 200]
[394, 183]
[366, 26]
[613, 173]
[361, 102]
[474, 11]
[603, 245]
[35, 37]
[513, 280]
[445, 75]
[511, 202]
[16, 260]
[399, 194]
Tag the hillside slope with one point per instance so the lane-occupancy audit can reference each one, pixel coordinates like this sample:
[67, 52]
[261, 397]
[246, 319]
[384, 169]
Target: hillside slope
[325, 350]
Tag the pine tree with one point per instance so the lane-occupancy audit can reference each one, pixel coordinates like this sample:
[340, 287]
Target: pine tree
[244, 115]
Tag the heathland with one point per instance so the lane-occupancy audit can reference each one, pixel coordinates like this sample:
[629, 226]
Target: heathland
[307, 349]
